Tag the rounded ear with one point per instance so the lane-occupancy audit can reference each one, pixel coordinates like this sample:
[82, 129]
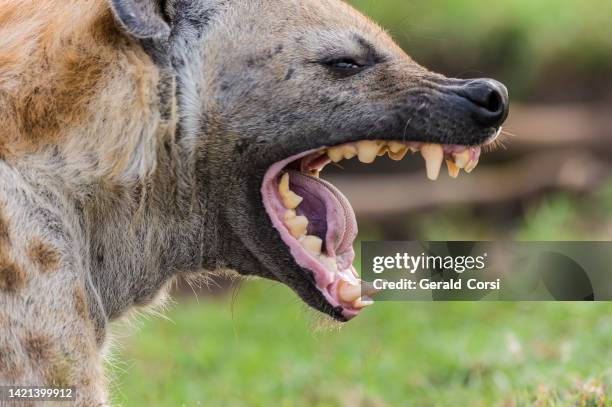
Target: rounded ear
[142, 19]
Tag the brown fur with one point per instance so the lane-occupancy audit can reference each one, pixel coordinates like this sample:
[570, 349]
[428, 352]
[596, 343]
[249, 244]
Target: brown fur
[38, 347]
[12, 277]
[43, 255]
[80, 304]
[4, 228]
[57, 65]
[10, 369]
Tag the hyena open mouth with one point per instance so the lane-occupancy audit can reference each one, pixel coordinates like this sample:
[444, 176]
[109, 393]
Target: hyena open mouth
[316, 221]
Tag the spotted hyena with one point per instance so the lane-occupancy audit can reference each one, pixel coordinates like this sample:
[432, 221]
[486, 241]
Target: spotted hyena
[144, 139]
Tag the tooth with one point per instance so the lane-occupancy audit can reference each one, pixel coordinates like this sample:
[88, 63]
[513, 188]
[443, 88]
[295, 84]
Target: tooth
[471, 165]
[382, 150]
[290, 199]
[433, 155]
[349, 151]
[362, 302]
[283, 185]
[312, 244]
[367, 151]
[462, 158]
[399, 155]
[297, 226]
[396, 146]
[348, 292]
[336, 154]
[453, 170]
[289, 214]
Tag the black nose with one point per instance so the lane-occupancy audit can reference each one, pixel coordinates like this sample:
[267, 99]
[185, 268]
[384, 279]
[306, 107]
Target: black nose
[487, 101]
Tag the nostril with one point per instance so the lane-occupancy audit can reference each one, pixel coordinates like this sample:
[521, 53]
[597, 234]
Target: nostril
[494, 101]
[488, 100]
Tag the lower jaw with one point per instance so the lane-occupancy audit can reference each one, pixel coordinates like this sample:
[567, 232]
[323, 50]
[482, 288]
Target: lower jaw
[330, 263]
[326, 280]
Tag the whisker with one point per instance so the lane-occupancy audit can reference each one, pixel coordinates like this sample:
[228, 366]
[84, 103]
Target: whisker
[507, 133]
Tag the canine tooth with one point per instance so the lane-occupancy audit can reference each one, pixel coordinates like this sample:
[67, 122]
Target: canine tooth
[348, 292]
[453, 170]
[290, 199]
[283, 185]
[297, 226]
[367, 151]
[462, 158]
[362, 302]
[470, 166]
[336, 154]
[433, 155]
[312, 244]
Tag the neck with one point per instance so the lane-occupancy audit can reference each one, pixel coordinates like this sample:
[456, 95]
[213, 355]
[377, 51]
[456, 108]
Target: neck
[108, 142]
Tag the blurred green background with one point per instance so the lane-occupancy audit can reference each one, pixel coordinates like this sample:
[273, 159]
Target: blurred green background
[254, 343]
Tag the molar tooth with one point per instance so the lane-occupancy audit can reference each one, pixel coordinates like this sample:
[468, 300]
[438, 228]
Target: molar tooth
[349, 151]
[348, 292]
[290, 199]
[362, 302]
[462, 158]
[289, 214]
[382, 150]
[399, 155]
[396, 146]
[336, 154]
[297, 226]
[453, 170]
[312, 244]
[367, 151]
[433, 155]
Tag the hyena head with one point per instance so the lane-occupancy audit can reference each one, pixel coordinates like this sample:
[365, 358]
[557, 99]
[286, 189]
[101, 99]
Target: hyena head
[271, 91]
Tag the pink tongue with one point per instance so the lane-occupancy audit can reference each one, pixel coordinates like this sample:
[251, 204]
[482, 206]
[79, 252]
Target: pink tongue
[330, 215]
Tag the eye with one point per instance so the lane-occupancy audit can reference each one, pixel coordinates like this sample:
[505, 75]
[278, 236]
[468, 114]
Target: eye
[345, 63]
[344, 66]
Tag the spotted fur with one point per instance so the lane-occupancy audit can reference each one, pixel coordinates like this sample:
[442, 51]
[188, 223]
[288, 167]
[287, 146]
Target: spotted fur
[44, 256]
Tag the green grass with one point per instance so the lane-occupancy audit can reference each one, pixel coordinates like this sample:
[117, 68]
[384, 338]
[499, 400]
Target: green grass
[262, 350]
